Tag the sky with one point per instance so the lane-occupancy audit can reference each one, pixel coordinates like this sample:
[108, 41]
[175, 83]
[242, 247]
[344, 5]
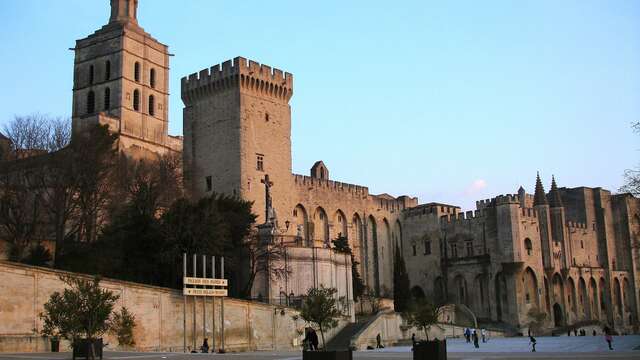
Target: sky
[449, 101]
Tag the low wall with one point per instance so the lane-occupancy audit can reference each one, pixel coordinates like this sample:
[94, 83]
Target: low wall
[391, 328]
[159, 312]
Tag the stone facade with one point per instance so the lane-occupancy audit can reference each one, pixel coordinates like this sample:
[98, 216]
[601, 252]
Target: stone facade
[570, 253]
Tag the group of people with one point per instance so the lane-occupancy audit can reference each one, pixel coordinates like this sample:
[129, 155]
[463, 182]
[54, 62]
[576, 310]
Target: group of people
[474, 335]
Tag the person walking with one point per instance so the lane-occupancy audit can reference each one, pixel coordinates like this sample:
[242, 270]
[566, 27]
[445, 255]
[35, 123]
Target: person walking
[205, 346]
[575, 331]
[484, 335]
[467, 334]
[607, 337]
[475, 339]
[379, 342]
[413, 340]
[532, 342]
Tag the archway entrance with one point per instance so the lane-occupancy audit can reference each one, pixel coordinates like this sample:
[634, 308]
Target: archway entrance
[557, 315]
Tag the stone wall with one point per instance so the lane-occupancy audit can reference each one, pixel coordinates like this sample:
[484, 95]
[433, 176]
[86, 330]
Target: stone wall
[159, 316]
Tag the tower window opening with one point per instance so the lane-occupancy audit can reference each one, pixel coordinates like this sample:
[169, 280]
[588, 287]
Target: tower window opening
[136, 71]
[107, 70]
[469, 248]
[415, 250]
[427, 247]
[91, 69]
[151, 105]
[266, 117]
[528, 246]
[136, 100]
[107, 99]
[152, 78]
[91, 102]
[260, 162]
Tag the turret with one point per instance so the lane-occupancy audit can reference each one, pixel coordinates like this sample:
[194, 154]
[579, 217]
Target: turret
[555, 201]
[544, 221]
[558, 229]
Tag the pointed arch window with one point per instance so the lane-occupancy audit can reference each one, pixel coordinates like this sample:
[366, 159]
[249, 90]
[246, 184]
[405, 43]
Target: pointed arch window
[107, 70]
[152, 78]
[136, 100]
[151, 105]
[91, 102]
[107, 99]
[136, 71]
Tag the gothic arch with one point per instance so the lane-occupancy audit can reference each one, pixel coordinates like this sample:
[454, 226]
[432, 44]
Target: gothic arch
[571, 298]
[321, 227]
[340, 225]
[501, 296]
[595, 304]
[460, 290]
[397, 235]
[480, 296]
[359, 246]
[530, 281]
[547, 296]
[386, 254]
[629, 301]
[301, 225]
[372, 253]
[604, 297]
[585, 304]
[617, 289]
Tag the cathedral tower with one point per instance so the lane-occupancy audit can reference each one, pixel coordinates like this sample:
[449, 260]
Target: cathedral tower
[237, 129]
[121, 78]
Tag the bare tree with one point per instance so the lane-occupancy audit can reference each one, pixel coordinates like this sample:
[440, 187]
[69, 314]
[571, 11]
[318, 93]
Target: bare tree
[262, 258]
[632, 176]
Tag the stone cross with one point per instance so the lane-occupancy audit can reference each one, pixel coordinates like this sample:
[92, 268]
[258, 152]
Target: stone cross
[267, 199]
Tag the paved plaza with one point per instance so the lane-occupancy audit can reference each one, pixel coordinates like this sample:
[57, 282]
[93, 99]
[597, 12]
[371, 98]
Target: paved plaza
[584, 348]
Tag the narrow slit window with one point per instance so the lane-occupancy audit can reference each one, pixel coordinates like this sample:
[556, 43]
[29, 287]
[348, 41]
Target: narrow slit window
[91, 102]
[107, 99]
[107, 70]
[152, 78]
[136, 72]
[151, 105]
[91, 69]
[136, 100]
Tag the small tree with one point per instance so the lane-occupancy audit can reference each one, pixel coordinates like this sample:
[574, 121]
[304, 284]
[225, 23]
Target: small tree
[401, 284]
[319, 308]
[81, 311]
[422, 315]
[122, 327]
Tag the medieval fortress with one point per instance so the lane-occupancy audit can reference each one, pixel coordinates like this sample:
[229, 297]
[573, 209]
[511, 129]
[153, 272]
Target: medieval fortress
[571, 253]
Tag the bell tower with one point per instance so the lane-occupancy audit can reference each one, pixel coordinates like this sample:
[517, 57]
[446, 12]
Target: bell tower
[121, 78]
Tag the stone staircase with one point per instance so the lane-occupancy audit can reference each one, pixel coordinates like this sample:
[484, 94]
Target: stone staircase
[342, 340]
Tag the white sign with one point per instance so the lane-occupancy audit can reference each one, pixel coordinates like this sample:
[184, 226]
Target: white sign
[205, 281]
[206, 292]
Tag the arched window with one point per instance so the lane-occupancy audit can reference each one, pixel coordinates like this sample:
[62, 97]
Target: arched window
[107, 98]
[136, 100]
[91, 74]
[107, 70]
[528, 245]
[136, 72]
[152, 78]
[151, 105]
[91, 102]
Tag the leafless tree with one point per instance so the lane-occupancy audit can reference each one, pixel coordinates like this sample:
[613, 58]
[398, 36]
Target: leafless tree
[263, 258]
[632, 176]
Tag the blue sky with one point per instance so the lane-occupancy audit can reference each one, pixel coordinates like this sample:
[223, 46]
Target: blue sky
[449, 101]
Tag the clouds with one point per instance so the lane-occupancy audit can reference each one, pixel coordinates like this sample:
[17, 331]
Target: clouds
[475, 187]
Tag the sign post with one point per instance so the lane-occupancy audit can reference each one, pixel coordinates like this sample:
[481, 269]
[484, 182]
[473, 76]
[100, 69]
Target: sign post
[204, 287]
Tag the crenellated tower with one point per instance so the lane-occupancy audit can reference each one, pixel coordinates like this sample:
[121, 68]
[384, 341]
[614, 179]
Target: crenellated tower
[541, 205]
[237, 129]
[121, 78]
[558, 228]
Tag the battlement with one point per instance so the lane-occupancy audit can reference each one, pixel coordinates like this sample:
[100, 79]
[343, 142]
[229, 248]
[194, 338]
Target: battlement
[250, 75]
[507, 199]
[308, 181]
[462, 217]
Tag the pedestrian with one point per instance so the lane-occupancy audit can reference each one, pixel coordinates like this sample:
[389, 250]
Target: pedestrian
[575, 331]
[607, 337]
[475, 339]
[413, 340]
[594, 333]
[379, 342]
[569, 332]
[314, 340]
[205, 346]
[467, 334]
[484, 335]
[532, 342]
